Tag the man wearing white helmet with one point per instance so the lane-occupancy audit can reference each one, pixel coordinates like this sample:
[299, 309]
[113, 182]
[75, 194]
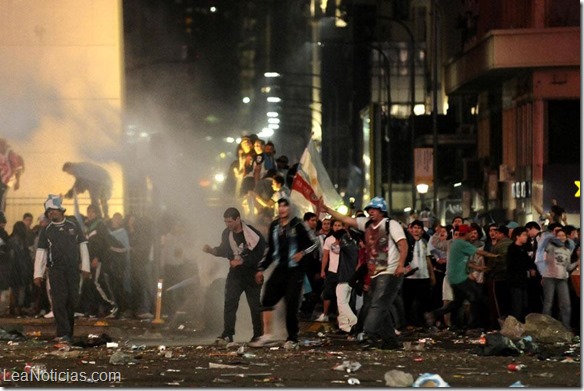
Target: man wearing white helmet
[62, 248]
[386, 252]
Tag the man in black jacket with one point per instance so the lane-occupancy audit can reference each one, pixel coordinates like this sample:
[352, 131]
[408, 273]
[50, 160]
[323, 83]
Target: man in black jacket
[244, 247]
[288, 245]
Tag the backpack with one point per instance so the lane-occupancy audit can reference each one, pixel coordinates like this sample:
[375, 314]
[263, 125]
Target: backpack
[377, 245]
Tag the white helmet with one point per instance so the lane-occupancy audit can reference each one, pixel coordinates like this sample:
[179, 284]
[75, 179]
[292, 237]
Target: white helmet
[54, 202]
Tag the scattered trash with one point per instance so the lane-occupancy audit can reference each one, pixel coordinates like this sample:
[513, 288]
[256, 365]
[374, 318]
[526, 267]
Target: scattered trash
[181, 327]
[120, 358]
[273, 379]
[221, 380]
[161, 348]
[512, 328]
[93, 340]
[545, 329]
[136, 347]
[65, 354]
[275, 348]
[12, 343]
[498, 345]
[517, 384]
[172, 370]
[101, 323]
[5, 375]
[33, 334]
[241, 350]
[515, 367]
[111, 345]
[213, 365]
[321, 334]
[245, 374]
[37, 368]
[568, 360]
[544, 374]
[527, 345]
[353, 381]
[418, 359]
[11, 335]
[398, 379]
[430, 380]
[311, 342]
[168, 354]
[348, 366]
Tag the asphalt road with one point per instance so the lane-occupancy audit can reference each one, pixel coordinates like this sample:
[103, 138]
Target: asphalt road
[177, 354]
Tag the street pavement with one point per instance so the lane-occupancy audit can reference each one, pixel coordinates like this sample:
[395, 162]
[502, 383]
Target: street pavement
[178, 353]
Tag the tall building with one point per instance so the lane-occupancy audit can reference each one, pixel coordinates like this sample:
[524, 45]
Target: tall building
[518, 71]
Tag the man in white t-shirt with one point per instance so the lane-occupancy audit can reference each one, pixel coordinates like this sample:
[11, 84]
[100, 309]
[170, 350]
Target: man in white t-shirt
[387, 254]
[328, 272]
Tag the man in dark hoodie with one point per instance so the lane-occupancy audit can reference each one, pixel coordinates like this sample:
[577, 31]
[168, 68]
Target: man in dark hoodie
[244, 247]
[520, 269]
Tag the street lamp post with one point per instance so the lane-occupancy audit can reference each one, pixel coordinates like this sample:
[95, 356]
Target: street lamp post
[412, 87]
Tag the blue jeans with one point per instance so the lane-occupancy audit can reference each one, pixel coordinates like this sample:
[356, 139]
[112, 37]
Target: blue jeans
[559, 286]
[379, 323]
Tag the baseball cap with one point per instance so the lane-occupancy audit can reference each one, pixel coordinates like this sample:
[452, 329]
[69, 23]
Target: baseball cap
[463, 229]
[377, 203]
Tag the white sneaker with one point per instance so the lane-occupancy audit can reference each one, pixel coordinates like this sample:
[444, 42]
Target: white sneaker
[49, 315]
[322, 318]
[264, 340]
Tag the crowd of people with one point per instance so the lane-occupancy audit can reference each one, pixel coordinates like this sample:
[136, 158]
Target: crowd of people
[118, 282]
[256, 179]
[370, 275]
[374, 277]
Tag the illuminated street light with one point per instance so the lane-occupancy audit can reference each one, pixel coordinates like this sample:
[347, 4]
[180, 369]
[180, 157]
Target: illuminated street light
[273, 99]
[273, 120]
[272, 114]
[273, 126]
[230, 140]
[246, 99]
[419, 109]
[272, 74]
[422, 188]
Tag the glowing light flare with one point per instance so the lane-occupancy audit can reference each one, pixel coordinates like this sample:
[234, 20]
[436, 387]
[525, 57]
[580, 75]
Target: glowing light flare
[219, 178]
[343, 209]
[422, 188]
[273, 120]
[246, 99]
[204, 183]
[266, 133]
[272, 114]
[272, 74]
[273, 99]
